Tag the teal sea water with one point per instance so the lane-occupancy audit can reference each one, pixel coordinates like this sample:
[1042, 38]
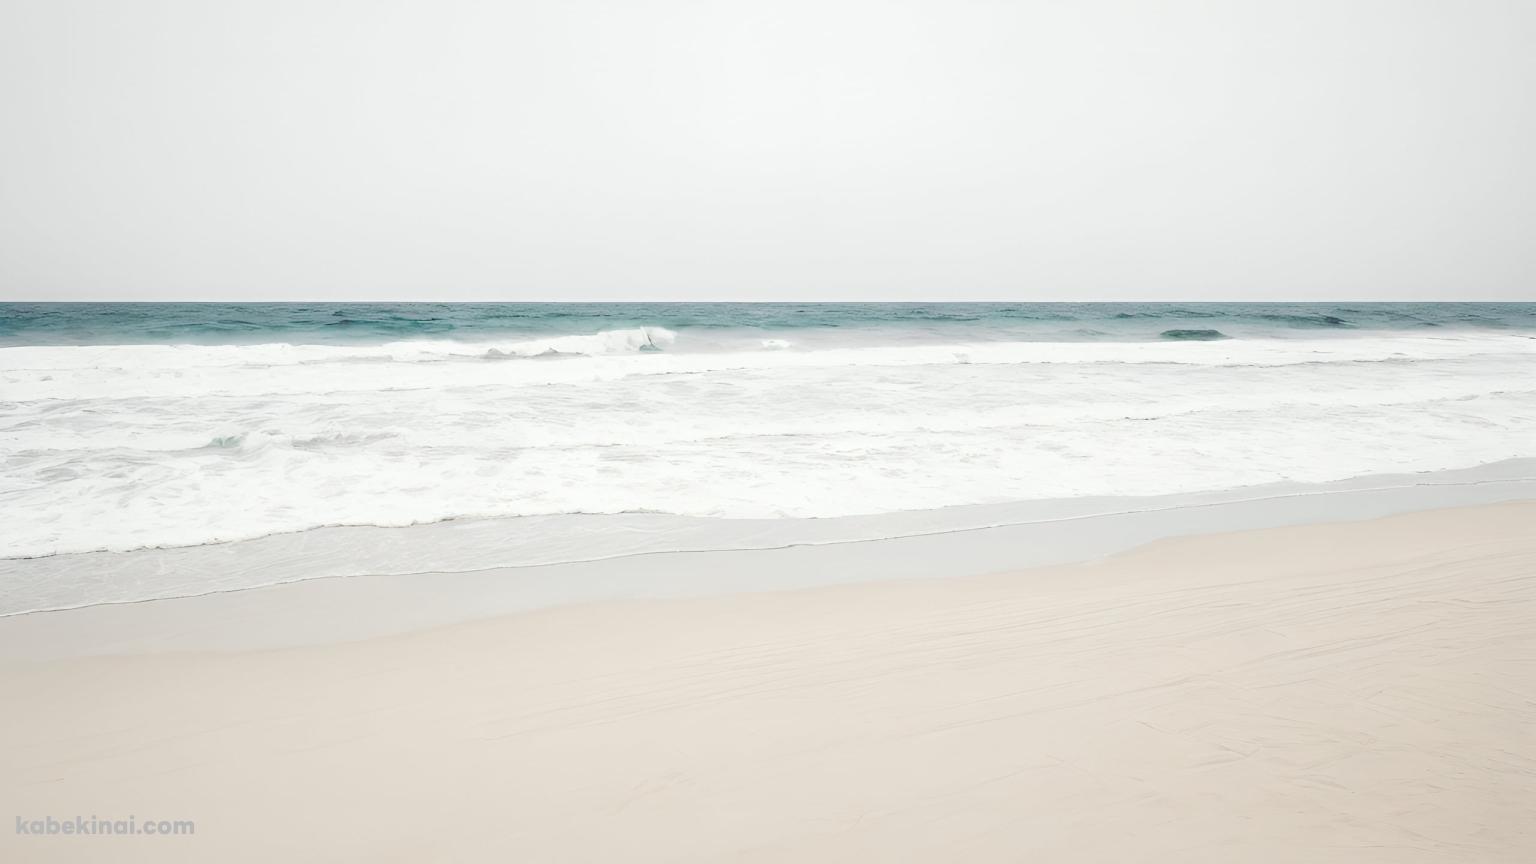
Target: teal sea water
[354, 323]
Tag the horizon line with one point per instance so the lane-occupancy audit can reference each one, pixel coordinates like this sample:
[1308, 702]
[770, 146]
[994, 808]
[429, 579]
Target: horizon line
[819, 302]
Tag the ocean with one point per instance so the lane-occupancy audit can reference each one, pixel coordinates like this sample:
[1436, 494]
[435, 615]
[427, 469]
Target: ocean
[125, 426]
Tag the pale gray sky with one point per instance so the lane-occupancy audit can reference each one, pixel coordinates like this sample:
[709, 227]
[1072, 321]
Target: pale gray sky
[681, 149]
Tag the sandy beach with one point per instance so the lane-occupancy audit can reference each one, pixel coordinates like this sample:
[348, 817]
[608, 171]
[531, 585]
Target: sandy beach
[1356, 691]
[796, 433]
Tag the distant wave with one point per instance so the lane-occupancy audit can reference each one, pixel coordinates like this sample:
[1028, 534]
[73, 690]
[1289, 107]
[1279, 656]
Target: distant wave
[177, 371]
[1195, 335]
[1170, 312]
[1306, 320]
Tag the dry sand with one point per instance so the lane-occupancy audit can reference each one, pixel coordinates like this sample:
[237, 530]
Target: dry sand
[1350, 692]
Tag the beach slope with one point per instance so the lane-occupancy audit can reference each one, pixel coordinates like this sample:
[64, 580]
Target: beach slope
[1353, 692]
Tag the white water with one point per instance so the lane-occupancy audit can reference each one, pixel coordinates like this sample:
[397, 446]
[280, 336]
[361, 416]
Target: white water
[122, 447]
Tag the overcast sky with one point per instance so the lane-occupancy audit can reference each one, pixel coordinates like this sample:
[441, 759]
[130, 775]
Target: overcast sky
[935, 149]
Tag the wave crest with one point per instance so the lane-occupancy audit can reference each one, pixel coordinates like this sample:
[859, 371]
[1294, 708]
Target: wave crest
[1194, 335]
[629, 341]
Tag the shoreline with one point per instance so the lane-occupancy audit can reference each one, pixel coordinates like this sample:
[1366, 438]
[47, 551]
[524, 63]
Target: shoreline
[1335, 690]
[461, 547]
[325, 608]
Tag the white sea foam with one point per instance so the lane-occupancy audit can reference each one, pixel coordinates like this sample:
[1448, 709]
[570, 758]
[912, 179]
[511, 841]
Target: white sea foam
[120, 447]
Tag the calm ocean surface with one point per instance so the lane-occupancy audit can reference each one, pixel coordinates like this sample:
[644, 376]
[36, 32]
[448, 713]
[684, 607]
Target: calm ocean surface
[132, 425]
[351, 323]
